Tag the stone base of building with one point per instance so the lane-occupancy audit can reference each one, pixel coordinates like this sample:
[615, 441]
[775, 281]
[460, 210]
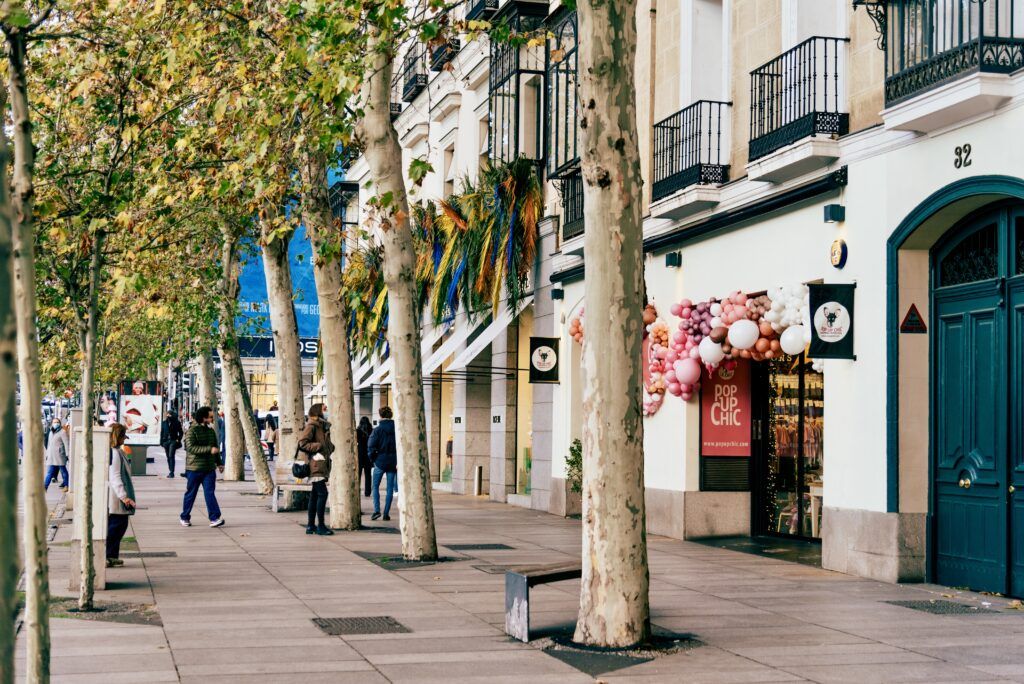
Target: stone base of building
[563, 501]
[890, 547]
[697, 515]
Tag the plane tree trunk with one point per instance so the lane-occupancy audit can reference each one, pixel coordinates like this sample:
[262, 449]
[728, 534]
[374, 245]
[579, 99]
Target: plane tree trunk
[384, 155]
[614, 609]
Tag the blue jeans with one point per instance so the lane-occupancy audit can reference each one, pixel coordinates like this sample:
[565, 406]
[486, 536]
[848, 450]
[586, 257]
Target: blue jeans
[208, 480]
[51, 475]
[392, 485]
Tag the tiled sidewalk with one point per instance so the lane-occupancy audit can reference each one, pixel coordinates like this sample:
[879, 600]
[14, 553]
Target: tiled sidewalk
[237, 604]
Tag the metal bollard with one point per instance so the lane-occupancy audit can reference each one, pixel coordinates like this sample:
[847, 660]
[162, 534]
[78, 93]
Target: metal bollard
[478, 481]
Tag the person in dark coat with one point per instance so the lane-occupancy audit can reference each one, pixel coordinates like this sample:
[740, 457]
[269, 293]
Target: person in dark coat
[365, 464]
[170, 438]
[202, 462]
[384, 454]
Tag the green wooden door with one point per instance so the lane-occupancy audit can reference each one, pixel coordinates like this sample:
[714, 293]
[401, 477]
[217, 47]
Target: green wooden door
[1015, 489]
[972, 337]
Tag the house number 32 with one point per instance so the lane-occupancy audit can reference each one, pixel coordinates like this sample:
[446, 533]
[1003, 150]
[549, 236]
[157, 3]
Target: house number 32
[963, 156]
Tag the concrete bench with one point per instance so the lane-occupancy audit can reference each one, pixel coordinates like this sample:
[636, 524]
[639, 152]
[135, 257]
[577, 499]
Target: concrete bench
[275, 496]
[517, 592]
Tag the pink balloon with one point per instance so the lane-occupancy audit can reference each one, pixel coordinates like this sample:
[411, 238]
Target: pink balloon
[679, 337]
[688, 371]
[671, 356]
[740, 312]
[695, 353]
[686, 312]
[676, 309]
[670, 377]
[686, 396]
[741, 298]
[674, 389]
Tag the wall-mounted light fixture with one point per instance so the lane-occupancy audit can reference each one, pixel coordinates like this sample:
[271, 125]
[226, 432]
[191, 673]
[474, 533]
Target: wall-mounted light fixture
[835, 213]
[674, 259]
[557, 293]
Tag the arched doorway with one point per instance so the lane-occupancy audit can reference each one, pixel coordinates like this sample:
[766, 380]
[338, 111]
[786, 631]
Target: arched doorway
[977, 395]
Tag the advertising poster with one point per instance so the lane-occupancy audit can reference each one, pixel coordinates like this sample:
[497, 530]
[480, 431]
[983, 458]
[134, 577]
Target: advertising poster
[141, 410]
[831, 321]
[725, 417]
[544, 360]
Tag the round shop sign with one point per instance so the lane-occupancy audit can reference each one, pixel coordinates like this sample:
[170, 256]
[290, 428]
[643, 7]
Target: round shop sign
[831, 322]
[544, 358]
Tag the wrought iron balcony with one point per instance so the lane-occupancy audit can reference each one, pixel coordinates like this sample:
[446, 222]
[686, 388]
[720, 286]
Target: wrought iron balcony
[414, 77]
[572, 205]
[481, 9]
[443, 53]
[340, 196]
[797, 95]
[932, 42]
[688, 148]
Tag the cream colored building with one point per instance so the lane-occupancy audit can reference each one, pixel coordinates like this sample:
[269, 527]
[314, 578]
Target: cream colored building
[898, 121]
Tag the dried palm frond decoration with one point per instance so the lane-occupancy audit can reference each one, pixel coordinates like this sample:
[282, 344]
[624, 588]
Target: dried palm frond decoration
[471, 250]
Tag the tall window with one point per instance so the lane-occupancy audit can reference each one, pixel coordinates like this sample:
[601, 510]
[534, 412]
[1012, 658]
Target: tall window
[562, 122]
[515, 84]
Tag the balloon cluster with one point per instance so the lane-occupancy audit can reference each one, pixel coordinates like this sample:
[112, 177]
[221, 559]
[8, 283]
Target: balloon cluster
[658, 334]
[576, 328]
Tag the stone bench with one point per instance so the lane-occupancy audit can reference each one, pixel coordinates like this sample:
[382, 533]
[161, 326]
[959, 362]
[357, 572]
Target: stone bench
[275, 496]
[517, 592]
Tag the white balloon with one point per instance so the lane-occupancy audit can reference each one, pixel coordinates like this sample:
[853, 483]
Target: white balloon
[710, 351]
[792, 339]
[716, 322]
[743, 334]
[716, 309]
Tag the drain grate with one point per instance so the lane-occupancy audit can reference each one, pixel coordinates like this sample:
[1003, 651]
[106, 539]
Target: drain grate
[939, 607]
[150, 554]
[491, 569]
[478, 547]
[381, 530]
[378, 624]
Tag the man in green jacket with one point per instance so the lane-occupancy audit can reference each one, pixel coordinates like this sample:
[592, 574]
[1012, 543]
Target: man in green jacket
[202, 461]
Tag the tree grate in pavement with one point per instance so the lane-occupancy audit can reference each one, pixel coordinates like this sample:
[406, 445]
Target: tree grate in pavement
[378, 624]
[151, 554]
[478, 547]
[380, 530]
[938, 607]
[491, 569]
[399, 563]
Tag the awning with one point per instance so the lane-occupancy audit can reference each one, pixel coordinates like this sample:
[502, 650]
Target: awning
[458, 338]
[382, 375]
[488, 335]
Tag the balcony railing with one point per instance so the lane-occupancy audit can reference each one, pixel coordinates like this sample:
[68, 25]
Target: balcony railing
[797, 95]
[688, 148]
[931, 42]
[572, 205]
[481, 9]
[414, 77]
[443, 53]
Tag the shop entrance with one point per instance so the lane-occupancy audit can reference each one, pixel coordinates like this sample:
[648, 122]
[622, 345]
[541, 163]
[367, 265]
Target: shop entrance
[977, 410]
[788, 466]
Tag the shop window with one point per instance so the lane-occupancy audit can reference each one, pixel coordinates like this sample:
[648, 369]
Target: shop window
[514, 85]
[789, 500]
[975, 258]
[450, 172]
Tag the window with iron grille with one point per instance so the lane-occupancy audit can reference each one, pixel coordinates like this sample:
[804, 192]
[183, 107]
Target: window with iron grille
[414, 72]
[572, 205]
[515, 85]
[562, 123]
[931, 42]
[343, 196]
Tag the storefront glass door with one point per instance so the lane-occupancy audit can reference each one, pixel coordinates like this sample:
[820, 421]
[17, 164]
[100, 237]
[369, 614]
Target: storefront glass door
[790, 455]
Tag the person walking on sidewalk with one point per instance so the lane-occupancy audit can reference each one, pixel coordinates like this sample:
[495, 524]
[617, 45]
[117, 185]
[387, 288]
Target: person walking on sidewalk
[121, 502]
[316, 447]
[270, 435]
[170, 438]
[382, 451]
[202, 461]
[57, 456]
[365, 464]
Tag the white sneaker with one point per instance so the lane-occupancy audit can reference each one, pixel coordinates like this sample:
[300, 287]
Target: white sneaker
[184, 523]
[219, 522]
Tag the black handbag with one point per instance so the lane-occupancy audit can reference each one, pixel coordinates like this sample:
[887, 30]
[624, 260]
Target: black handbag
[300, 469]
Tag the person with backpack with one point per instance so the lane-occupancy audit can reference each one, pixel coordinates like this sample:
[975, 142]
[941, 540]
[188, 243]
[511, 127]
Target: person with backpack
[384, 454]
[315, 448]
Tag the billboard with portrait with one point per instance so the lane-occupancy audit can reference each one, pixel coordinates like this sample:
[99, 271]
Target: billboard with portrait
[141, 409]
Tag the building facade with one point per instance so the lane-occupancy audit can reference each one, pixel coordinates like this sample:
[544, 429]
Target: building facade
[784, 143]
